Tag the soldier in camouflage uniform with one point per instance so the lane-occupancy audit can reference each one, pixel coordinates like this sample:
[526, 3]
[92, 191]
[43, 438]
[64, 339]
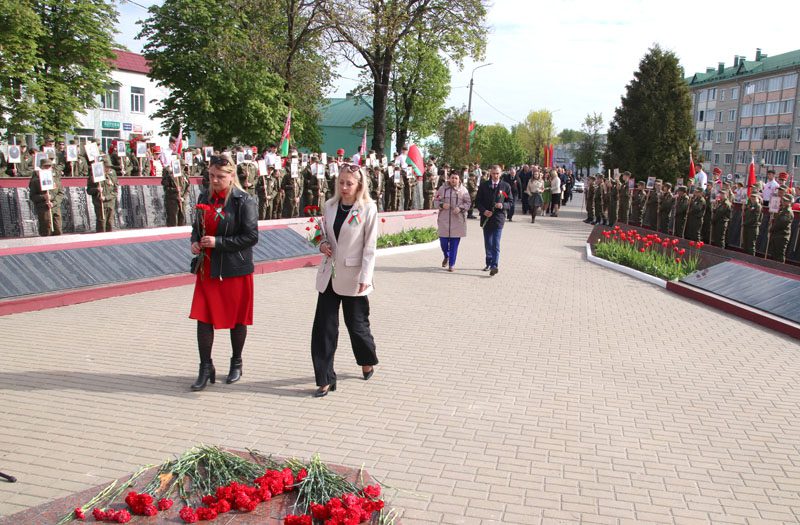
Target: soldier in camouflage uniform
[247, 172]
[104, 196]
[292, 189]
[681, 209]
[280, 196]
[750, 223]
[624, 198]
[599, 198]
[613, 201]
[665, 208]
[694, 219]
[409, 183]
[376, 186]
[47, 203]
[589, 199]
[398, 189]
[472, 189]
[175, 190]
[720, 217]
[780, 230]
[705, 230]
[650, 219]
[266, 191]
[121, 163]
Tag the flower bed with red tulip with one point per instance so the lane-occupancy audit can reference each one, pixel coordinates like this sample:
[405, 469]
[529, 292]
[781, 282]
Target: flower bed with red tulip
[210, 482]
[653, 254]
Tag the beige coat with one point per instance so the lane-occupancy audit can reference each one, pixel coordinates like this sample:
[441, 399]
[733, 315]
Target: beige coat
[452, 222]
[353, 253]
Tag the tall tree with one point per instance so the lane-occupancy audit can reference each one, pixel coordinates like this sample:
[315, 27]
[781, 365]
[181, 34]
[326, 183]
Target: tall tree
[74, 51]
[652, 129]
[266, 59]
[590, 142]
[495, 144]
[452, 135]
[536, 131]
[20, 28]
[568, 136]
[372, 31]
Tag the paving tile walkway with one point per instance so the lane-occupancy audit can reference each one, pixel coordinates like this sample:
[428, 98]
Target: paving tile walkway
[556, 392]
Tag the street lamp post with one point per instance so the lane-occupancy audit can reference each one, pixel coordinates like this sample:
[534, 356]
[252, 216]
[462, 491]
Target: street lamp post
[469, 104]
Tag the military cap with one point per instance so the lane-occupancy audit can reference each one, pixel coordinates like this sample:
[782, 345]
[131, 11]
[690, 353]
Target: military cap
[783, 187]
[681, 188]
[787, 198]
[46, 162]
[667, 185]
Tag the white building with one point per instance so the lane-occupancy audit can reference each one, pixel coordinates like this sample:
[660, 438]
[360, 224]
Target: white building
[126, 106]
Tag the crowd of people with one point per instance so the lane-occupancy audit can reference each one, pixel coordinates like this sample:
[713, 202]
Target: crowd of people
[699, 212]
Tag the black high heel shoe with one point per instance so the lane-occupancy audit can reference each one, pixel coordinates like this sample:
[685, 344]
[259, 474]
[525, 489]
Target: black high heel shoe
[207, 373]
[322, 391]
[235, 372]
[367, 375]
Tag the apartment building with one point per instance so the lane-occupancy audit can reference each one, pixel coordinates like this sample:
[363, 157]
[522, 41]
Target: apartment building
[749, 109]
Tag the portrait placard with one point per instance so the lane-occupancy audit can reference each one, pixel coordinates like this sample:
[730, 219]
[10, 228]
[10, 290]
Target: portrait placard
[141, 149]
[631, 183]
[651, 183]
[409, 173]
[98, 172]
[294, 167]
[72, 152]
[176, 168]
[208, 152]
[50, 151]
[774, 204]
[398, 174]
[323, 158]
[37, 160]
[304, 160]
[679, 182]
[122, 148]
[390, 171]
[333, 169]
[92, 151]
[239, 157]
[262, 167]
[46, 179]
[14, 154]
[188, 158]
[373, 159]
[616, 173]
[368, 162]
[384, 161]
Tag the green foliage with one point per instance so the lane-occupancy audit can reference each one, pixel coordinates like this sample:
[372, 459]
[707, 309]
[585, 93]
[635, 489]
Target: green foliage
[408, 237]
[371, 32]
[233, 69]
[535, 132]
[648, 257]
[54, 61]
[496, 145]
[20, 29]
[452, 143]
[568, 136]
[590, 147]
[653, 129]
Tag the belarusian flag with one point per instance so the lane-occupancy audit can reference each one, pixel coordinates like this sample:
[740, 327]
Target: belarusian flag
[691, 165]
[414, 159]
[470, 134]
[751, 174]
[287, 128]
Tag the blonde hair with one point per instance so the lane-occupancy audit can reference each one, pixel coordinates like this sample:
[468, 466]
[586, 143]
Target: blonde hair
[362, 193]
[230, 169]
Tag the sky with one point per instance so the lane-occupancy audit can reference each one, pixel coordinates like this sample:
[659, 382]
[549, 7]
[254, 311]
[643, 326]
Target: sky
[575, 57]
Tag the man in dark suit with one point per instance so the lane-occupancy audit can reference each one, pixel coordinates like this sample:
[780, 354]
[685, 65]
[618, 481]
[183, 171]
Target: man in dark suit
[493, 202]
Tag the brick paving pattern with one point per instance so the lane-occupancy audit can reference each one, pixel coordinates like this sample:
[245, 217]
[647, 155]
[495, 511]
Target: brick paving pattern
[556, 392]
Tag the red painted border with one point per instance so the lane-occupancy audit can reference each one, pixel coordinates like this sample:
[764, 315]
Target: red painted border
[731, 307]
[84, 295]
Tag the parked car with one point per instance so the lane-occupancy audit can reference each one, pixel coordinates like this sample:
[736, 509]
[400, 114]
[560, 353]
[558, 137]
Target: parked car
[578, 187]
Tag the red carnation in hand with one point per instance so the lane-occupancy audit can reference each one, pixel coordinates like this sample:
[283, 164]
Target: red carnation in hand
[204, 207]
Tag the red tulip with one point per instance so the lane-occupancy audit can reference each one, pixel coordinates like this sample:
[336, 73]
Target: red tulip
[682, 251]
[700, 244]
[691, 244]
[674, 242]
[677, 260]
[641, 250]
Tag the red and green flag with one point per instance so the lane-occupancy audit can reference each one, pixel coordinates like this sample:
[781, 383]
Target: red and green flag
[692, 171]
[751, 174]
[470, 134]
[285, 136]
[414, 159]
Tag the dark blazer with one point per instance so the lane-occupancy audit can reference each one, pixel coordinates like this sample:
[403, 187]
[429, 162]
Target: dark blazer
[487, 198]
[237, 233]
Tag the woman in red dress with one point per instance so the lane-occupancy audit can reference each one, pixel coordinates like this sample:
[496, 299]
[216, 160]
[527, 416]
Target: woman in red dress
[224, 232]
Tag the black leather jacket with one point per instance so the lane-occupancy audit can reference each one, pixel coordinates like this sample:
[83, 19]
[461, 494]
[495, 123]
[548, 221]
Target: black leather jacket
[237, 233]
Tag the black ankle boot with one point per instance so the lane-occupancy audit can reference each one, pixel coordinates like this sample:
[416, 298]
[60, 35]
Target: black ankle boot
[235, 372]
[206, 374]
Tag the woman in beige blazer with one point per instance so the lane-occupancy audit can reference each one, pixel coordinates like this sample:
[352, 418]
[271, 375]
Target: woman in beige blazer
[344, 277]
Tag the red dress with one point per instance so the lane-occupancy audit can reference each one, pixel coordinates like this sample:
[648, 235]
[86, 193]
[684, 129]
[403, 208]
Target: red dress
[226, 302]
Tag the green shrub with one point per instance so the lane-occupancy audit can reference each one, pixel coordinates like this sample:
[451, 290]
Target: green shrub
[408, 237]
[650, 254]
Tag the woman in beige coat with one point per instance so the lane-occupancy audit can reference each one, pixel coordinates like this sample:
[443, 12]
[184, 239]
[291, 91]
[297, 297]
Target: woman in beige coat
[534, 192]
[453, 201]
[345, 277]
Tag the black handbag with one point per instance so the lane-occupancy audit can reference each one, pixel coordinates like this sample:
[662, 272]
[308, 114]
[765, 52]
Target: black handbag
[195, 264]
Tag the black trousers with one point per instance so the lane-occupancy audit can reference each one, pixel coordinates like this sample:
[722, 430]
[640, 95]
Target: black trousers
[325, 333]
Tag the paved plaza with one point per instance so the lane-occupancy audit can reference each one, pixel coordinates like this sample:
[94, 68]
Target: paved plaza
[556, 392]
